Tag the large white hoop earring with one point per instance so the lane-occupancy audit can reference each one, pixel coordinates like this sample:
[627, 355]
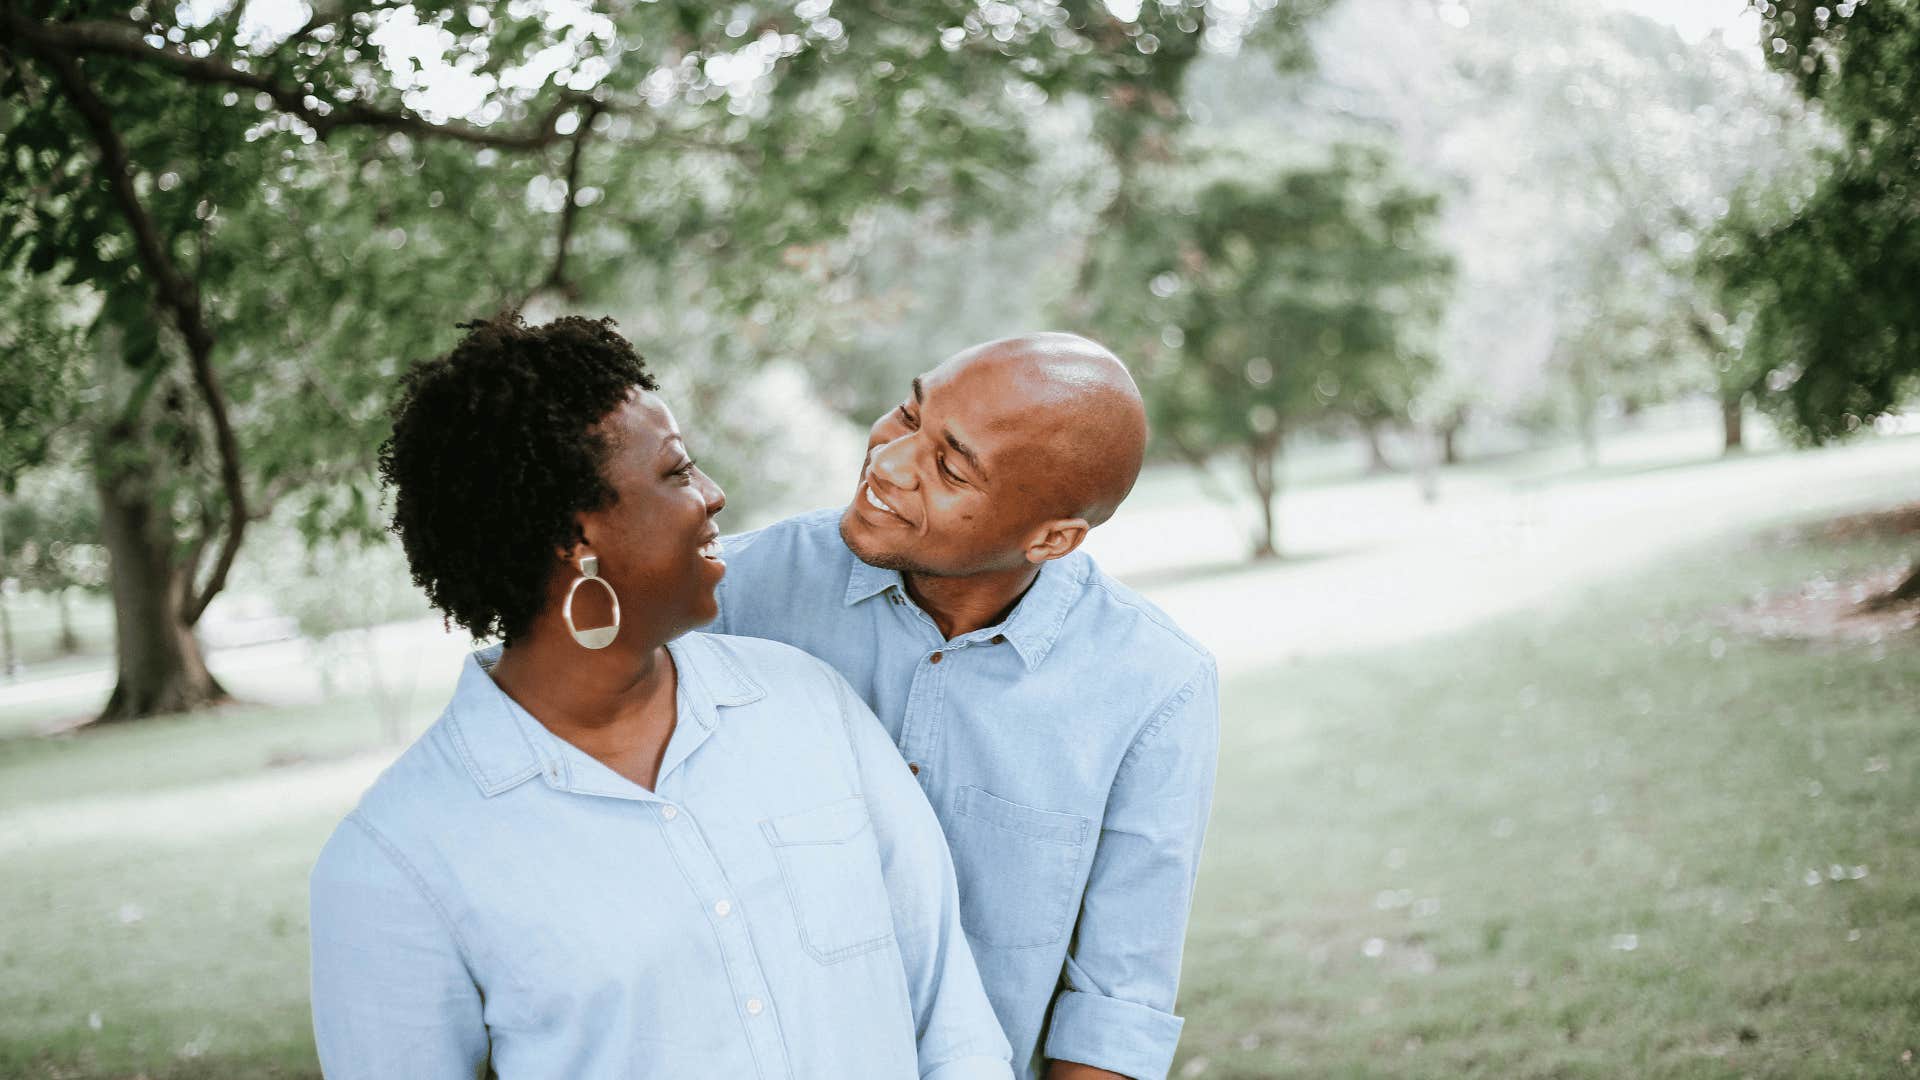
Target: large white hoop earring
[600, 636]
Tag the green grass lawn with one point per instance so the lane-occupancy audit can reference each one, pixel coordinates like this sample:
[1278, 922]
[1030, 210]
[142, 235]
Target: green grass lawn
[1614, 839]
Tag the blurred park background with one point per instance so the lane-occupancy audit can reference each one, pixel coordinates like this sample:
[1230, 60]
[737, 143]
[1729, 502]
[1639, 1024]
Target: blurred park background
[1528, 379]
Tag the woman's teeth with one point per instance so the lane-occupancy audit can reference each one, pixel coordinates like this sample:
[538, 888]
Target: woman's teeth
[711, 549]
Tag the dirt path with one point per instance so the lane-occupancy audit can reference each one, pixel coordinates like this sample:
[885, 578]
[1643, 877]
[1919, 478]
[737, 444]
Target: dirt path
[1372, 564]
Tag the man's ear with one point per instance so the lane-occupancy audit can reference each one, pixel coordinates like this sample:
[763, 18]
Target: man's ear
[1056, 539]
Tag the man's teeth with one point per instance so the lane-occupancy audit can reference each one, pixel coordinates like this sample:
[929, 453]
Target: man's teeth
[874, 500]
[710, 549]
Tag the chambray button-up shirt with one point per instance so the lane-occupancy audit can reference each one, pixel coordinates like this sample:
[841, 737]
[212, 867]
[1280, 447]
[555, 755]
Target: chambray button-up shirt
[781, 906]
[1069, 753]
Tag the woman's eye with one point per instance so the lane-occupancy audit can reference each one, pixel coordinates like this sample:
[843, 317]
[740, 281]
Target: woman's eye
[905, 416]
[687, 469]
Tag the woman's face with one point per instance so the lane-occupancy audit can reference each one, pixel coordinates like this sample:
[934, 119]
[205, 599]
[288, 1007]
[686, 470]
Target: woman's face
[657, 544]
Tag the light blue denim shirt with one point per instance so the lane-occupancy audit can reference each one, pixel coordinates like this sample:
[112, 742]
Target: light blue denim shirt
[1069, 753]
[782, 906]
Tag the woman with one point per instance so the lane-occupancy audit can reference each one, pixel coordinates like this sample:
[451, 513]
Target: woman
[624, 849]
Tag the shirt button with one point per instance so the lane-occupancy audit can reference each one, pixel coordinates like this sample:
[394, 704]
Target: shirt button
[913, 767]
[934, 659]
[998, 639]
[669, 811]
[754, 1006]
[722, 908]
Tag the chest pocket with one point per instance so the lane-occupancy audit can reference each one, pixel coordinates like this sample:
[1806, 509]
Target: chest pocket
[830, 864]
[1019, 869]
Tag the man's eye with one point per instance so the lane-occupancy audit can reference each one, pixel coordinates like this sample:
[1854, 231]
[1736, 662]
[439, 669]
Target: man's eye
[950, 474]
[905, 416]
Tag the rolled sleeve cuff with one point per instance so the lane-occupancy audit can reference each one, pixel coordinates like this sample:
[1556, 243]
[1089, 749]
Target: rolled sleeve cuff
[1107, 1033]
[971, 1068]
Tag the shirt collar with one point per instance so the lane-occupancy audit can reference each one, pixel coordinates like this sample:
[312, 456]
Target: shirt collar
[503, 746]
[1035, 623]
[865, 581]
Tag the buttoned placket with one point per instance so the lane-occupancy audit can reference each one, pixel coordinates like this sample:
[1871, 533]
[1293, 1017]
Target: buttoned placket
[695, 858]
[920, 727]
[701, 870]
[921, 723]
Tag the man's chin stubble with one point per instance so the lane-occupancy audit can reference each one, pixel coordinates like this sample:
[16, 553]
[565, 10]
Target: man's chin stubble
[882, 560]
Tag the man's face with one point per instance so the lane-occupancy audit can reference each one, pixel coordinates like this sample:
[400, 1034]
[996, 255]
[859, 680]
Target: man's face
[950, 486]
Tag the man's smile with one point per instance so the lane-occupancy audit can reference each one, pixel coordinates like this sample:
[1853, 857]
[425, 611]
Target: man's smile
[874, 500]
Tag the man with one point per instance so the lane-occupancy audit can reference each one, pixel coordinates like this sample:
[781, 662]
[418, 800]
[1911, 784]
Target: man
[1063, 728]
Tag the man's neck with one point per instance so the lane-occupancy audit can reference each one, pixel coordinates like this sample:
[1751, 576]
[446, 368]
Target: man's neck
[961, 605]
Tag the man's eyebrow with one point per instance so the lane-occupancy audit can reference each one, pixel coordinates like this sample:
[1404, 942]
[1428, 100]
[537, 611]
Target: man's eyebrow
[972, 458]
[919, 394]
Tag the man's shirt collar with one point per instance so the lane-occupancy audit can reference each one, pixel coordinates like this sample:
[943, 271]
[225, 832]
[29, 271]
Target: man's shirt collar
[503, 746]
[1035, 623]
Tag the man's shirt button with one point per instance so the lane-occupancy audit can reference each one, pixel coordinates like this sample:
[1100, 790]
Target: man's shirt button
[935, 658]
[722, 908]
[754, 1006]
[913, 767]
[998, 639]
[669, 811]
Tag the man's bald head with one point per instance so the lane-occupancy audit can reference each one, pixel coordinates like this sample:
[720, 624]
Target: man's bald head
[1001, 457]
[1076, 411]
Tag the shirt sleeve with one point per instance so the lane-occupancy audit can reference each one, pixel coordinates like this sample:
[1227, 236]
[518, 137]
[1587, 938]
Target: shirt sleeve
[959, 1038]
[391, 993]
[1115, 1008]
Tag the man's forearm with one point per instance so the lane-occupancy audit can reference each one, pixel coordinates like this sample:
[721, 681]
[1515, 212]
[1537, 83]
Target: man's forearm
[1073, 1070]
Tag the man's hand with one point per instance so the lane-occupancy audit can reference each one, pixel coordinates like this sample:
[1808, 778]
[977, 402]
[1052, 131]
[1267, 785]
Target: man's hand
[1073, 1070]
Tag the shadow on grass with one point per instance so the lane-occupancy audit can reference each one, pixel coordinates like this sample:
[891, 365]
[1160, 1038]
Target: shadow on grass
[1587, 474]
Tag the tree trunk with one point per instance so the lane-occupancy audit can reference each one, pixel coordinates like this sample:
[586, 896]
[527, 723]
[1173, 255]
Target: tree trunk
[69, 641]
[1907, 592]
[1589, 434]
[1733, 414]
[1377, 462]
[1449, 442]
[9, 663]
[1262, 461]
[160, 665]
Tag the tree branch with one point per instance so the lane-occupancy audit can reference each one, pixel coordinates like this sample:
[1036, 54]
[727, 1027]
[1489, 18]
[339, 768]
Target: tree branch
[125, 40]
[174, 292]
[557, 279]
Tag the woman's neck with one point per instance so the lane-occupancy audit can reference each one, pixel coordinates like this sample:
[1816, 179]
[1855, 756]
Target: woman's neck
[614, 704]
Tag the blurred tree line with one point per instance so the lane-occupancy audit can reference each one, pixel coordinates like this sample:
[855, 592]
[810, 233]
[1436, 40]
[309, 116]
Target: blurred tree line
[226, 225]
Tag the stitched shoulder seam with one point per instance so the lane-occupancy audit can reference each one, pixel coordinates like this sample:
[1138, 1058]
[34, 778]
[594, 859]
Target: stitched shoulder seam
[401, 863]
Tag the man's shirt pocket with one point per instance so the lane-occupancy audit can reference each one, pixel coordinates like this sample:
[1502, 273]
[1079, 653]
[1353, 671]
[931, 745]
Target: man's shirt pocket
[1019, 869]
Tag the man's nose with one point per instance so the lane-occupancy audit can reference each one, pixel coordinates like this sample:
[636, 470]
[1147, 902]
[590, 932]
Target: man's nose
[894, 462]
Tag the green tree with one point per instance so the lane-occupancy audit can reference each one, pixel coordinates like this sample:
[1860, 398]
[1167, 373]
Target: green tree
[1266, 301]
[257, 225]
[50, 541]
[1823, 273]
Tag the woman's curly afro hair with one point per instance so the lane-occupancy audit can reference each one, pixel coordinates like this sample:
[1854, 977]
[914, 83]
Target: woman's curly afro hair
[494, 452]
